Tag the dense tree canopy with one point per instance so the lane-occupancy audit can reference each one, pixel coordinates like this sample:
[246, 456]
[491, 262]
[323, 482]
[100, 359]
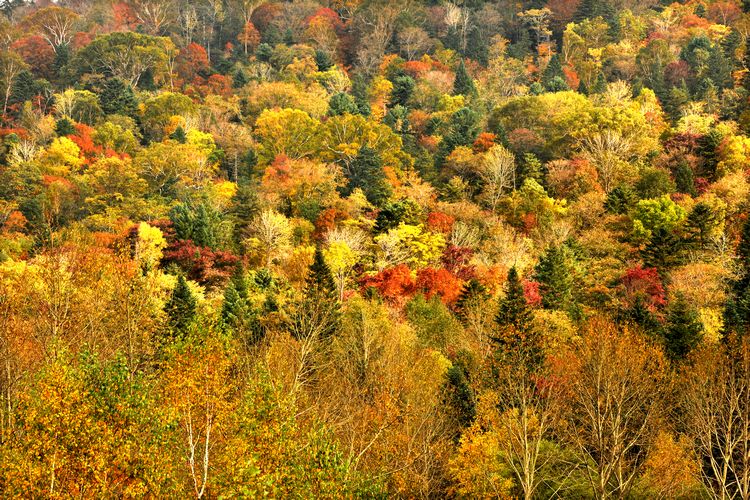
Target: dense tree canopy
[374, 249]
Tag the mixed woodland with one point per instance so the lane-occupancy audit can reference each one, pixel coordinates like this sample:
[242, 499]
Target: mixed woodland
[375, 249]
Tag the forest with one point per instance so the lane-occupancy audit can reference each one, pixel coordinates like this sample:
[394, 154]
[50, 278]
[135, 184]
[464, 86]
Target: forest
[375, 249]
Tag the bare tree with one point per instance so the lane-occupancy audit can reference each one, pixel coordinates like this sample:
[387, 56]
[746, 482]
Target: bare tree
[414, 41]
[611, 390]
[608, 151]
[527, 423]
[498, 171]
[55, 24]
[716, 400]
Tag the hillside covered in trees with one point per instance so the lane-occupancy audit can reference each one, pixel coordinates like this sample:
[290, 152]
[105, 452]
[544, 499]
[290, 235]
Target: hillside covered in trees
[375, 249]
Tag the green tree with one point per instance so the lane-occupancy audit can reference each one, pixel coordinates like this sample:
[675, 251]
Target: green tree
[555, 279]
[342, 103]
[553, 73]
[368, 175]
[181, 307]
[683, 330]
[403, 88]
[319, 313]
[516, 337]
[463, 84]
[117, 98]
[458, 396]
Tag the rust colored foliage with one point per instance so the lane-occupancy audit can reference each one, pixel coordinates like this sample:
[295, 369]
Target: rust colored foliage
[456, 260]
[441, 282]
[484, 141]
[394, 284]
[203, 265]
[37, 53]
[440, 222]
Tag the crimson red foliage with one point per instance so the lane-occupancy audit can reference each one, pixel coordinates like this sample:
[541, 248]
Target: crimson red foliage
[201, 264]
[645, 283]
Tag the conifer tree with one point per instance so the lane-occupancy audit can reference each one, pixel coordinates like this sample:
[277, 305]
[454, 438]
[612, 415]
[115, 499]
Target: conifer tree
[459, 397]
[463, 84]
[517, 339]
[117, 97]
[600, 85]
[683, 331]
[239, 79]
[318, 314]
[366, 173]
[403, 88]
[181, 307]
[179, 135]
[555, 279]
[553, 74]
[341, 103]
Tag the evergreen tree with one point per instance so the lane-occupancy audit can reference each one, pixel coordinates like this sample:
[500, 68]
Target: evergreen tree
[555, 279]
[25, 88]
[64, 127]
[582, 88]
[552, 72]
[459, 397]
[342, 103]
[683, 330]
[403, 88]
[600, 85]
[117, 97]
[476, 47]
[181, 307]
[318, 315]
[517, 339]
[684, 179]
[639, 315]
[237, 314]
[664, 250]
[514, 310]
[472, 293]
[620, 200]
[463, 84]
[179, 135]
[701, 221]
[366, 172]
[239, 79]
[323, 60]
[360, 94]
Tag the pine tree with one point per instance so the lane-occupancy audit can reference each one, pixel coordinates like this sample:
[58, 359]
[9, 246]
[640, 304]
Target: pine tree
[600, 85]
[237, 314]
[473, 293]
[318, 315]
[514, 309]
[553, 75]
[239, 79]
[403, 88]
[323, 60]
[25, 88]
[366, 173]
[181, 307]
[639, 314]
[117, 97]
[459, 397]
[342, 103]
[683, 331]
[179, 135]
[582, 88]
[555, 279]
[463, 84]
[64, 127]
[664, 250]
[517, 339]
